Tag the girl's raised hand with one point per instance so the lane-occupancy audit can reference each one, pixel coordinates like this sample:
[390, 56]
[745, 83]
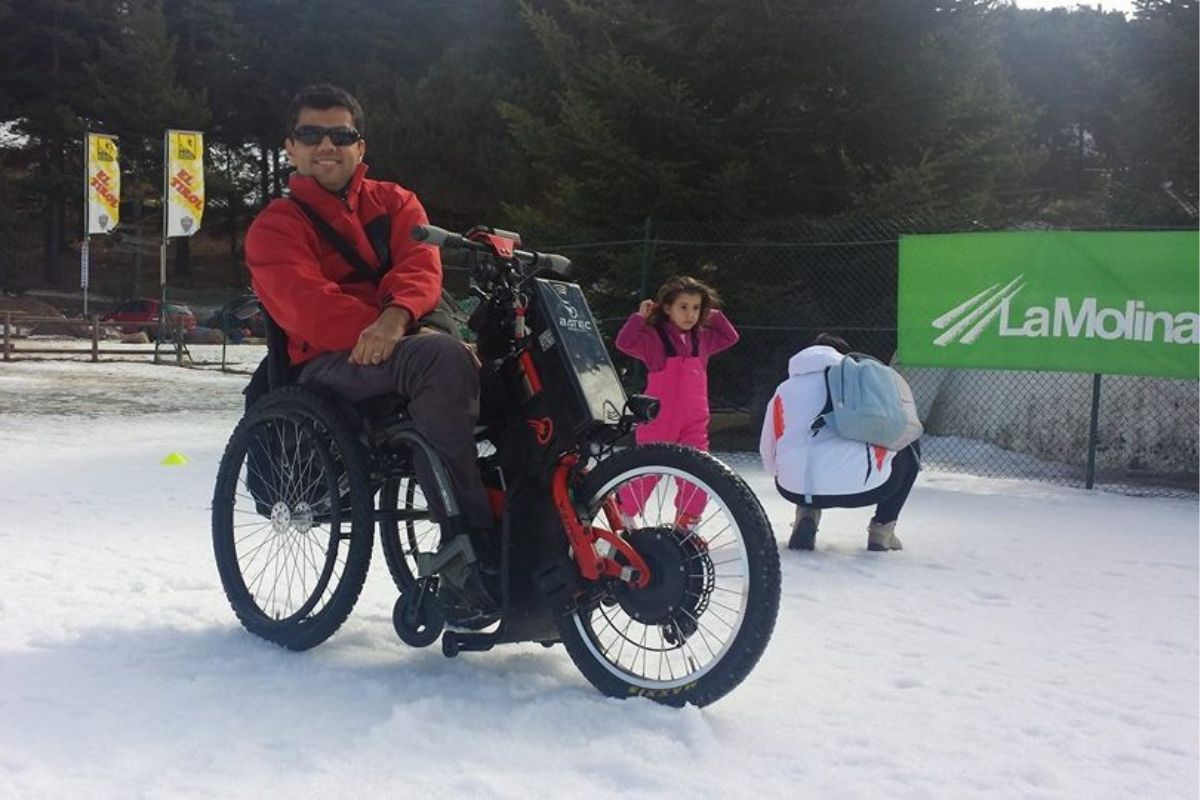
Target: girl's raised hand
[646, 308]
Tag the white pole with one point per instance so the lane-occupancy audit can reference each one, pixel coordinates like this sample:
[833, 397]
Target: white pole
[83, 270]
[87, 219]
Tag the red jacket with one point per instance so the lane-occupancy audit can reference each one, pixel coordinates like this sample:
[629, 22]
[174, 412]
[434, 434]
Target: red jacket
[318, 298]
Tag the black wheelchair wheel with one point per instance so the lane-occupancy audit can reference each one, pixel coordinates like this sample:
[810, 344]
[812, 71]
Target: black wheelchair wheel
[701, 625]
[292, 519]
[409, 530]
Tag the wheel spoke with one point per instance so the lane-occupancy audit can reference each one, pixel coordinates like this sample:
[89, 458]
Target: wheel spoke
[291, 563]
[292, 518]
[703, 609]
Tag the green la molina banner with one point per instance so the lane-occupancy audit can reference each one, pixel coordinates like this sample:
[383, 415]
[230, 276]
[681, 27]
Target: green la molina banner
[1072, 301]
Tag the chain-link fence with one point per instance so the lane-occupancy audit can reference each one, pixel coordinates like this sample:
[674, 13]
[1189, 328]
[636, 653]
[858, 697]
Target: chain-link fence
[783, 284]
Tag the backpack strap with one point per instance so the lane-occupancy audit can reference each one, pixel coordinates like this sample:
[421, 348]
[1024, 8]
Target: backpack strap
[378, 233]
[819, 423]
[669, 346]
[820, 420]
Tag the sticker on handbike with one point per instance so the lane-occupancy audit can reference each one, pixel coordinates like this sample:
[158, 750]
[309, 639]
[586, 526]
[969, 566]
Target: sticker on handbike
[543, 429]
[562, 320]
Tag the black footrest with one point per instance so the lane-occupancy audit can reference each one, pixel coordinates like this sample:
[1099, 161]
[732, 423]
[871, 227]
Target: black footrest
[454, 642]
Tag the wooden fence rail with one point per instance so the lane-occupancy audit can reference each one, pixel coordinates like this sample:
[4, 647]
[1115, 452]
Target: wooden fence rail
[95, 324]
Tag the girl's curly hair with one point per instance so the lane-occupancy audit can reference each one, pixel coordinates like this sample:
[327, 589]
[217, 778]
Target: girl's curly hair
[684, 284]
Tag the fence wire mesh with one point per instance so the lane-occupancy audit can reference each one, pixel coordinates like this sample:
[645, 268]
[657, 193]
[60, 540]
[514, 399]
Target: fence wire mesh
[782, 284]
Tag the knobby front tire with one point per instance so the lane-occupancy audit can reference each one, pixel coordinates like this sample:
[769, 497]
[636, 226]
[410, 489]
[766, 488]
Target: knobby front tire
[703, 623]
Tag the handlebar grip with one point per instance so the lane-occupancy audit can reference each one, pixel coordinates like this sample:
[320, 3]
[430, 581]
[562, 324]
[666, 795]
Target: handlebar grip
[559, 265]
[438, 237]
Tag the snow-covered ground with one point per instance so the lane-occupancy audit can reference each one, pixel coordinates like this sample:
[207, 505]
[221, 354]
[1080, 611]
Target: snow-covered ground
[1029, 642]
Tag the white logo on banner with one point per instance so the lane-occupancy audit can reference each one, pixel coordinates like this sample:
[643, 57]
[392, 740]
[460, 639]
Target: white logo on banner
[966, 322]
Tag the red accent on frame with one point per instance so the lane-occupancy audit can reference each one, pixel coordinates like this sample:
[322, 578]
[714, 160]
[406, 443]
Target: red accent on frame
[582, 539]
[502, 245]
[613, 515]
[495, 502]
[543, 429]
[530, 372]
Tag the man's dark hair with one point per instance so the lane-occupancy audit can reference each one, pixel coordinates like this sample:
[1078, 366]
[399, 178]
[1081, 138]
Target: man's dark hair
[830, 340]
[322, 96]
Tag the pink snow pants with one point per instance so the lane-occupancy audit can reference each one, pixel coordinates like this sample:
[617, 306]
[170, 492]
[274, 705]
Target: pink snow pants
[682, 389]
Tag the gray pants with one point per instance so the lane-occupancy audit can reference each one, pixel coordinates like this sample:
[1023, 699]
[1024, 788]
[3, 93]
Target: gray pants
[439, 378]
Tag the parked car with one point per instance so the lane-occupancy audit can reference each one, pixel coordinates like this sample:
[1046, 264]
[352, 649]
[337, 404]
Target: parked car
[142, 315]
[241, 316]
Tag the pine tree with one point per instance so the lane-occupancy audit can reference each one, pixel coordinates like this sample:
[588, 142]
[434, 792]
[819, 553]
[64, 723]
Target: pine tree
[48, 46]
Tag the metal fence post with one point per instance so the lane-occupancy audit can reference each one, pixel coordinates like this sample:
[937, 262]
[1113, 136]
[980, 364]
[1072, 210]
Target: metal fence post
[647, 250]
[639, 369]
[95, 338]
[1093, 433]
[7, 325]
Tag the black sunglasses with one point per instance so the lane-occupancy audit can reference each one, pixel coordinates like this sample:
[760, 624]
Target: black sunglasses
[313, 134]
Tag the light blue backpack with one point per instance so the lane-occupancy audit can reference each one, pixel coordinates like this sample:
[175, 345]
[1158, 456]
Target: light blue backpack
[868, 401]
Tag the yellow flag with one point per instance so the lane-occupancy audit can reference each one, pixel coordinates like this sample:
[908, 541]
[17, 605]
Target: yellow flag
[103, 183]
[184, 182]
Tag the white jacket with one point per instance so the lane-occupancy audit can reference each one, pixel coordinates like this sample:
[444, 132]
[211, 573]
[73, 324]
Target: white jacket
[807, 462]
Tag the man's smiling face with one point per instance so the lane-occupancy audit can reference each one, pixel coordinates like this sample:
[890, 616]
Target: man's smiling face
[332, 166]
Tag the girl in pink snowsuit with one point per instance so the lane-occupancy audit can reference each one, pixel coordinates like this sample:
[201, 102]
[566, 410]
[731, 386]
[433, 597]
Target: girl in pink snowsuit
[674, 336]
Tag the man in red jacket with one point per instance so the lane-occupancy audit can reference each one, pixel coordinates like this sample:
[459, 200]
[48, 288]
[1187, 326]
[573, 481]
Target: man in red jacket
[354, 331]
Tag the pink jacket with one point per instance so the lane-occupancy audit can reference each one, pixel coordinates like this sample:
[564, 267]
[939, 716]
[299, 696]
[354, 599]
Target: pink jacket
[679, 381]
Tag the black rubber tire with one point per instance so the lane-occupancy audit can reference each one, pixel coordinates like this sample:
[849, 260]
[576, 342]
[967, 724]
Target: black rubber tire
[401, 539]
[423, 631]
[298, 427]
[762, 580]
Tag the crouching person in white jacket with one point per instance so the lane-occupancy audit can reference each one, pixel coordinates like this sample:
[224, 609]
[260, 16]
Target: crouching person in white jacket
[819, 469]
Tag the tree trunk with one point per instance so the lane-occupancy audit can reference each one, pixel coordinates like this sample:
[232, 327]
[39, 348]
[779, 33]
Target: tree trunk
[56, 216]
[275, 172]
[234, 261]
[137, 231]
[264, 175]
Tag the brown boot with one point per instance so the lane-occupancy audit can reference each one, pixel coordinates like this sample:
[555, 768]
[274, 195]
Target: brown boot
[881, 536]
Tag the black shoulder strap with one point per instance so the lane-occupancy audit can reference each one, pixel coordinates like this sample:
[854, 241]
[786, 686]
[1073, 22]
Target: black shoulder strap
[666, 340]
[378, 233]
[821, 421]
[669, 346]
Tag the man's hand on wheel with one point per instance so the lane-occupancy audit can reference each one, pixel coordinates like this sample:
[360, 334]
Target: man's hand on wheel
[379, 339]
